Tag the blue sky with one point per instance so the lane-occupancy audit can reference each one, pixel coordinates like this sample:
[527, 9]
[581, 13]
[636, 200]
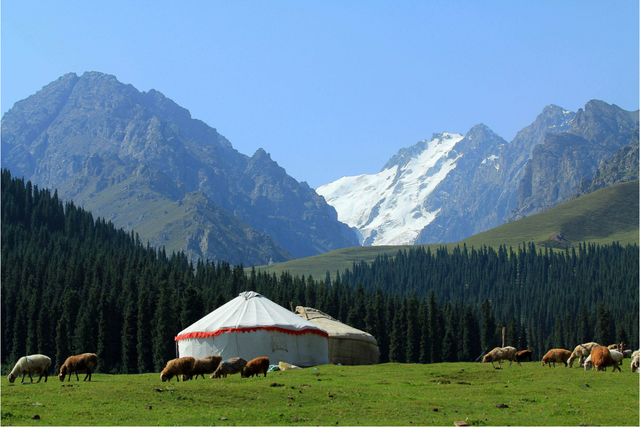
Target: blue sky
[333, 88]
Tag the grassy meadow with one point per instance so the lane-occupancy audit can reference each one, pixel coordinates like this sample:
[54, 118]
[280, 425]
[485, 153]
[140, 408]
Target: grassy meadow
[387, 394]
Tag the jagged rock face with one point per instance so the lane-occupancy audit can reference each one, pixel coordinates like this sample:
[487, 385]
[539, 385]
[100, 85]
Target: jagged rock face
[87, 135]
[557, 166]
[487, 181]
[622, 167]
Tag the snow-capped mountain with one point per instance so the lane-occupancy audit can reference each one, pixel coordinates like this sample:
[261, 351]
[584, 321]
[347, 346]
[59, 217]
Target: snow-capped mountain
[389, 208]
[453, 187]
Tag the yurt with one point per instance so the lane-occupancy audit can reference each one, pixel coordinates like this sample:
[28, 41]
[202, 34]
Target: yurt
[347, 345]
[251, 326]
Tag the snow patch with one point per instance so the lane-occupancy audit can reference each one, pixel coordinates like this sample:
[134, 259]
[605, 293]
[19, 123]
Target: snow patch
[387, 208]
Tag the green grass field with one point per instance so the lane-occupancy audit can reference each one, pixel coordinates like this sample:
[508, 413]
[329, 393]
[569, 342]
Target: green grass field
[387, 394]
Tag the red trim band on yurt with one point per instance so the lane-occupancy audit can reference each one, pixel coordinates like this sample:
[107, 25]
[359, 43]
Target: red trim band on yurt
[254, 329]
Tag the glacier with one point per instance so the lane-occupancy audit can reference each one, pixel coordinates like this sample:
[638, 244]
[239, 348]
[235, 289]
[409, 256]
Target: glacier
[388, 208]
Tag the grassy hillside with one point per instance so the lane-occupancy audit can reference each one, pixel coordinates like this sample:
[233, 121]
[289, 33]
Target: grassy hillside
[388, 394]
[604, 216]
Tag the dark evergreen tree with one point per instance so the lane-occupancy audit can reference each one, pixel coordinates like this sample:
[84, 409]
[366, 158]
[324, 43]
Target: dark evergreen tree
[164, 322]
[512, 337]
[488, 338]
[471, 347]
[605, 328]
[398, 339]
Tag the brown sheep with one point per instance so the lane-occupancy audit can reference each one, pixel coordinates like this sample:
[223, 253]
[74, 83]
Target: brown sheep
[557, 355]
[499, 354]
[601, 358]
[177, 367]
[203, 366]
[232, 366]
[581, 352]
[259, 365]
[523, 354]
[80, 363]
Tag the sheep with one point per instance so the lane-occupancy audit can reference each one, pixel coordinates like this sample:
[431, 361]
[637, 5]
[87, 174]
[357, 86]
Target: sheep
[203, 366]
[79, 363]
[556, 355]
[582, 351]
[36, 363]
[617, 356]
[635, 363]
[587, 364]
[255, 367]
[231, 366]
[618, 347]
[627, 354]
[524, 354]
[501, 353]
[177, 367]
[635, 353]
[601, 358]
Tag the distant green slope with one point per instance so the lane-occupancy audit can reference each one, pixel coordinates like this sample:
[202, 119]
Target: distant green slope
[604, 216]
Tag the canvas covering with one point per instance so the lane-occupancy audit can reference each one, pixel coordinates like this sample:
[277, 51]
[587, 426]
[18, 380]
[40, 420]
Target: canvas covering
[347, 345]
[251, 326]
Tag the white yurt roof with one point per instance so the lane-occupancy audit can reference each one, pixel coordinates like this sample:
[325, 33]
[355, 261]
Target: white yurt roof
[248, 312]
[334, 327]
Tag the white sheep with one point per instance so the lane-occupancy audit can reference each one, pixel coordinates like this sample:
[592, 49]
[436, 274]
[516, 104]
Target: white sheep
[617, 356]
[587, 364]
[499, 354]
[635, 363]
[581, 352]
[34, 364]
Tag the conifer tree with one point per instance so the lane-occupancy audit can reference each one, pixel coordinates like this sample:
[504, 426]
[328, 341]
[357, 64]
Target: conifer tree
[413, 330]
[471, 347]
[398, 339]
[512, 337]
[605, 328]
[487, 327]
[435, 329]
[164, 322]
[450, 339]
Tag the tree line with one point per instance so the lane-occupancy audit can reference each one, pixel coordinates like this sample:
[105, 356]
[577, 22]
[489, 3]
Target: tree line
[71, 284]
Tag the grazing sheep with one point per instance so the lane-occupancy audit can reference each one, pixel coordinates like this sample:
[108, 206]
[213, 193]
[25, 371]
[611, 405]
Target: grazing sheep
[232, 366]
[499, 354]
[556, 355]
[587, 364]
[601, 358]
[203, 366]
[79, 363]
[627, 354]
[34, 364]
[259, 365]
[635, 363]
[616, 356]
[523, 354]
[582, 351]
[618, 347]
[635, 353]
[177, 367]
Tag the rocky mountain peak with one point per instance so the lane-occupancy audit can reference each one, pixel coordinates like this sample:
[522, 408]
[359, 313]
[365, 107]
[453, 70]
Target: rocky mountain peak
[92, 133]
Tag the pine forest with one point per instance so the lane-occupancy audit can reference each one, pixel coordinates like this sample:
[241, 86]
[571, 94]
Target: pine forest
[74, 284]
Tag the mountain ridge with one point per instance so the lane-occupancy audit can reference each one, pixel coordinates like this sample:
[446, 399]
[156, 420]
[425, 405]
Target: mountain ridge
[493, 181]
[55, 136]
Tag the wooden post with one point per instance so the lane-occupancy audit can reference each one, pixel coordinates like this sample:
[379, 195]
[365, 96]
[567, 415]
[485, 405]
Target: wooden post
[503, 333]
